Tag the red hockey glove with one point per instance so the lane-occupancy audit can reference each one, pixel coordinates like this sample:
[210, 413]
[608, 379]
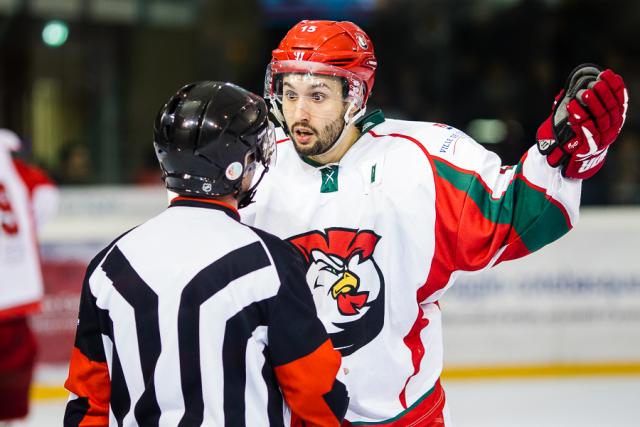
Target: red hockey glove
[586, 118]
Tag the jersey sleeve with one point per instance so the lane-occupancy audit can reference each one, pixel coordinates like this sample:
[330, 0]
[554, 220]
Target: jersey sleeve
[304, 360]
[487, 213]
[42, 191]
[88, 381]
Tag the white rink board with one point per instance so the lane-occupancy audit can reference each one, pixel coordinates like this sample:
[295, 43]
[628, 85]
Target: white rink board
[100, 214]
[575, 301]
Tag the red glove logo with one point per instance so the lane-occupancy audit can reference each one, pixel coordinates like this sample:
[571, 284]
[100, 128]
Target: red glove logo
[593, 157]
[587, 117]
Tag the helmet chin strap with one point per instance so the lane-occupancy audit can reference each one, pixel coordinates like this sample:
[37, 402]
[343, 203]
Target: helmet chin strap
[277, 113]
[245, 198]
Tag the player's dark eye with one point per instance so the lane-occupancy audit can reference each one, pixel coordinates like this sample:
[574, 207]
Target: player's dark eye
[290, 95]
[318, 96]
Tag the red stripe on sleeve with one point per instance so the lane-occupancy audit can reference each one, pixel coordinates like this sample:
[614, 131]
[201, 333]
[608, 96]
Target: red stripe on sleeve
[305, 381]
[31, 175]
[90, 379]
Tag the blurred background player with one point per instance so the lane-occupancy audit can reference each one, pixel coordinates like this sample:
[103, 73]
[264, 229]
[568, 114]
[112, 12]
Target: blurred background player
[193, 318]
[388, 213]
[28, 198]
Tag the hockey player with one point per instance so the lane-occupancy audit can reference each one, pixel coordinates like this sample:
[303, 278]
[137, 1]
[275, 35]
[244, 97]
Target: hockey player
[28, 198]
[193, 318]
[388, 213]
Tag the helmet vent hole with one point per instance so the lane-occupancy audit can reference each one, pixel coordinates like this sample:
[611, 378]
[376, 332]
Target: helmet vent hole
[341, 62]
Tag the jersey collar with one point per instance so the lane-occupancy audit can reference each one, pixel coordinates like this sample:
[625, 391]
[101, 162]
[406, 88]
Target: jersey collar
[206, 203]
[369, 121]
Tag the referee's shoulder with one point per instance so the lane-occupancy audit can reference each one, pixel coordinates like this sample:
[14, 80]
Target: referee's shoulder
[100, 256]
[281, 251]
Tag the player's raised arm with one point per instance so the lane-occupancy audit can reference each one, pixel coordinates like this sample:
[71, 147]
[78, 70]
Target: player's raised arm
[493, 213]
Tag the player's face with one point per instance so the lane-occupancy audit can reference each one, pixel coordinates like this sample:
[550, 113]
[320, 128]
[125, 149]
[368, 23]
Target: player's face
[313, 107]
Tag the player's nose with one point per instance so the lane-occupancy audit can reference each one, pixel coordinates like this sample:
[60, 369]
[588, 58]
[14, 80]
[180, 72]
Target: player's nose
[301, 112]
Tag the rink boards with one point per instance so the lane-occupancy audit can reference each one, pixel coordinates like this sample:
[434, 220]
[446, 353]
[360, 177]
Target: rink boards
[573, 308]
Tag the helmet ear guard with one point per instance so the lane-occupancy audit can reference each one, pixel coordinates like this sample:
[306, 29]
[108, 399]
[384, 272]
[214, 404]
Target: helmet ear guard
[265, 155]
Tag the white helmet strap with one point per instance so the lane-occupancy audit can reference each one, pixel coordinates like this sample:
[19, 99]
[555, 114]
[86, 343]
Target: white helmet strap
[277, 113]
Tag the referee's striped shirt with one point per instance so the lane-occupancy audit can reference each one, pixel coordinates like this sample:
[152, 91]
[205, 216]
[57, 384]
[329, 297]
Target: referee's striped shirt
[193, 319]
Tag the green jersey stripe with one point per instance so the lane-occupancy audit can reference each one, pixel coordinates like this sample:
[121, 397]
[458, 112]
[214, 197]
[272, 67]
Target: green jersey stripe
[535, 217]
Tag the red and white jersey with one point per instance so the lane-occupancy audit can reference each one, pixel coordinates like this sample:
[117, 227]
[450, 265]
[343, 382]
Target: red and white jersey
[410, 207]
[27, 198]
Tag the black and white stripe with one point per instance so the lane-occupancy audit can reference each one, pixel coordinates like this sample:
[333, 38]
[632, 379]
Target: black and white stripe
[183, 304]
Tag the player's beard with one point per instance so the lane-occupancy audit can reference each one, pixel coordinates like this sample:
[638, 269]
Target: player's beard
[325, 139]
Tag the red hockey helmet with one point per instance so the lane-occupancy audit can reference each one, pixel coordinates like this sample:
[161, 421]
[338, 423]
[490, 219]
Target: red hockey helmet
[339, 44]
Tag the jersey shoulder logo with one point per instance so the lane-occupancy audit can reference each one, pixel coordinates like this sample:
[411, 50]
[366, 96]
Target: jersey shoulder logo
[346, 283]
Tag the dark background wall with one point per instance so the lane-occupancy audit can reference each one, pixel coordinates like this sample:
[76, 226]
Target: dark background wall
[85, 109]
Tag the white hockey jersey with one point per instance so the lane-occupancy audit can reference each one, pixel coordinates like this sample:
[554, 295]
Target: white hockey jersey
[409, 208]
[27, 198]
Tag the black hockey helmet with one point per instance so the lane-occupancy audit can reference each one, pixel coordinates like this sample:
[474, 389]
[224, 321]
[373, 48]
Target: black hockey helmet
[204, 135]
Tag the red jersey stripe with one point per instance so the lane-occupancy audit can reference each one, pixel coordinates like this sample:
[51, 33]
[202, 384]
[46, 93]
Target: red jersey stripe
[90, 379]
[304, 391]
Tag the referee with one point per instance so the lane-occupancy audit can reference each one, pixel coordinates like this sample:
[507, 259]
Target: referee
[193, 318]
